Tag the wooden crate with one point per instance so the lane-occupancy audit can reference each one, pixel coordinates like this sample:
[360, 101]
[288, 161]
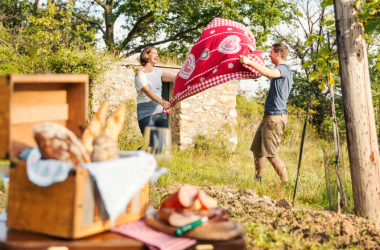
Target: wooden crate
[70, 209]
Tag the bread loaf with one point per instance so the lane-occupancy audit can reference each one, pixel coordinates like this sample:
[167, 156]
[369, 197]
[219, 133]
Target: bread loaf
[115, 123]
[94, 127]
[105, 149]
[57, 142]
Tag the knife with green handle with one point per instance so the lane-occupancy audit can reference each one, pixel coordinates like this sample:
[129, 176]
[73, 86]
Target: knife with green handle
[181, 230]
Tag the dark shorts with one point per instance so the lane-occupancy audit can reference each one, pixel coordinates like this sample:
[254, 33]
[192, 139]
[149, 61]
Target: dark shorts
[268, 135]
[158, 120]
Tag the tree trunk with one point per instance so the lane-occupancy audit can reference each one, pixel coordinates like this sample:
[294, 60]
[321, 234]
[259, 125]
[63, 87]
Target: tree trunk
[110, 23]
[358, 110]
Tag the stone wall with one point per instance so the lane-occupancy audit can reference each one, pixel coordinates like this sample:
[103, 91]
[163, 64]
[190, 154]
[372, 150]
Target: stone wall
[211, 112]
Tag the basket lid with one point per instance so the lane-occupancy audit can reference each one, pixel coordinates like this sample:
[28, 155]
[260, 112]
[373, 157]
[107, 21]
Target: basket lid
[31, 99]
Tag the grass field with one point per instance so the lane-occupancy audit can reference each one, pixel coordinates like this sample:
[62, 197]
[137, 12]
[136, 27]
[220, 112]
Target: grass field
[211, 163]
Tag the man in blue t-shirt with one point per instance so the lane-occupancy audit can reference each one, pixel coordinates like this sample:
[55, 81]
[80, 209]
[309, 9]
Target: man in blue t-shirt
[266, 142]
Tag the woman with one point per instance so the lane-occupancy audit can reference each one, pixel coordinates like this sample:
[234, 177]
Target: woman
[148, 83]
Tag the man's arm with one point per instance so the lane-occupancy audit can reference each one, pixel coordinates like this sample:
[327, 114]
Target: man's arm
[269, 73]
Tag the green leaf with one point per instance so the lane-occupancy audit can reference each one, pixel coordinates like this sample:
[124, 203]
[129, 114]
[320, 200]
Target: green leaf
[332, 81]
[371, 26]
[313, 75]
[332, 30]
[329, 20]
[323, 70]
[307, 64]
[311, 38]
[322, 86]
[321, 61]
[334, 60]
[326, 3]
[357, 4]
[378, 66]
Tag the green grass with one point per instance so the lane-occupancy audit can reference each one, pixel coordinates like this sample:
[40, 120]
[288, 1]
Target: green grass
[3, 163]
[211, 163]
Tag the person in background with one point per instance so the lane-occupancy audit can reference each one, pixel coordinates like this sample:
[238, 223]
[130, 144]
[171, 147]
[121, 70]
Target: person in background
[148, 83]
[266, 142]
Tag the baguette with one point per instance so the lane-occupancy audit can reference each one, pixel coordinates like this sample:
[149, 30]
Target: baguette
[94, 127]
[115, 123]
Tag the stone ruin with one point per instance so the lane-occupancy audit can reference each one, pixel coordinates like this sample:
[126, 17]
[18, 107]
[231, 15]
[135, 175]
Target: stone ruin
[211, 112]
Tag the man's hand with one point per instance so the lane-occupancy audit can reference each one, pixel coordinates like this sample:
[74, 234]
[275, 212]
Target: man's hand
[244, 59]
[269, 73]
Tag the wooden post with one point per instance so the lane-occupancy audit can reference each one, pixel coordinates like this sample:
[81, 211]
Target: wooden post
[358, 110]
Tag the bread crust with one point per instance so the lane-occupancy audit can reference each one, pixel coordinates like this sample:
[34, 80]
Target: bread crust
[94, 127]
[115, 123]
[105, 149]
[58, 143]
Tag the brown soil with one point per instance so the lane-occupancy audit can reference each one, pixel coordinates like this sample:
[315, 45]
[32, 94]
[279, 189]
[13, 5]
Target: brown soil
[274, 224]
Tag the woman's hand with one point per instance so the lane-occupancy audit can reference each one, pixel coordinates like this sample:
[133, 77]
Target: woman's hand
[165, 104]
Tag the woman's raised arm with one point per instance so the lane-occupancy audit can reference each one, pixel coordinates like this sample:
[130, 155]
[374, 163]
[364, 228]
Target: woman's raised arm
[166, 77]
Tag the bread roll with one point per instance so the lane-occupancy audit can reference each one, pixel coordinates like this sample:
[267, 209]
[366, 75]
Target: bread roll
[94, 127]
[57, 142]
[115, 123]
[105, 149]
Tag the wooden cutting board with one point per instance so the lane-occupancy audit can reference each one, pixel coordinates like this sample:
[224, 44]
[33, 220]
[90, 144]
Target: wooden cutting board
[210, 231]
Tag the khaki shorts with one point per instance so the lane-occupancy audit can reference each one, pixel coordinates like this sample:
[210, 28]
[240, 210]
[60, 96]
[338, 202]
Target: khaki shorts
[268, 135]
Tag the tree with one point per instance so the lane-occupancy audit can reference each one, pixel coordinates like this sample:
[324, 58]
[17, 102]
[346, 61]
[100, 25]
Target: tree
[46, 40]
[180, 22]
[363, 146]
[304, 39]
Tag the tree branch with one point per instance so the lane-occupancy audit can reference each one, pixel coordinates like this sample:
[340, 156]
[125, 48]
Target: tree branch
[101, 4]
[91, 22]
[174, 38]
[133, 31]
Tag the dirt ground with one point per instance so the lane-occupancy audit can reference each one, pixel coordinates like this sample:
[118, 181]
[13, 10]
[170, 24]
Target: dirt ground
[274, 224]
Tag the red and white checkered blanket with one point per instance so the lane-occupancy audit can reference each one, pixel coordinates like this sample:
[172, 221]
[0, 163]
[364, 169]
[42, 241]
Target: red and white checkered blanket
[214, 59]
[153, 239]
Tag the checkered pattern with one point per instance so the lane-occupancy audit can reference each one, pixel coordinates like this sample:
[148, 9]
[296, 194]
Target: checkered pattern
[153, 239]
[256, 59]
[221, 64]
[217, 22]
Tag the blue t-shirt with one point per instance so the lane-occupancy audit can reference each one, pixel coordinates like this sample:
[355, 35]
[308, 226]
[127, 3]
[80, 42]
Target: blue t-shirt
[279, 91]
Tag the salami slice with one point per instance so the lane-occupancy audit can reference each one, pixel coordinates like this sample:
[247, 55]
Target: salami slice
[203, 199]
[183, 198]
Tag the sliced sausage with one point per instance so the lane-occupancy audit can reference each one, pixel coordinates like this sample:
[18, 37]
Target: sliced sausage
[183, 198]
[203, 199]
[175, 219]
